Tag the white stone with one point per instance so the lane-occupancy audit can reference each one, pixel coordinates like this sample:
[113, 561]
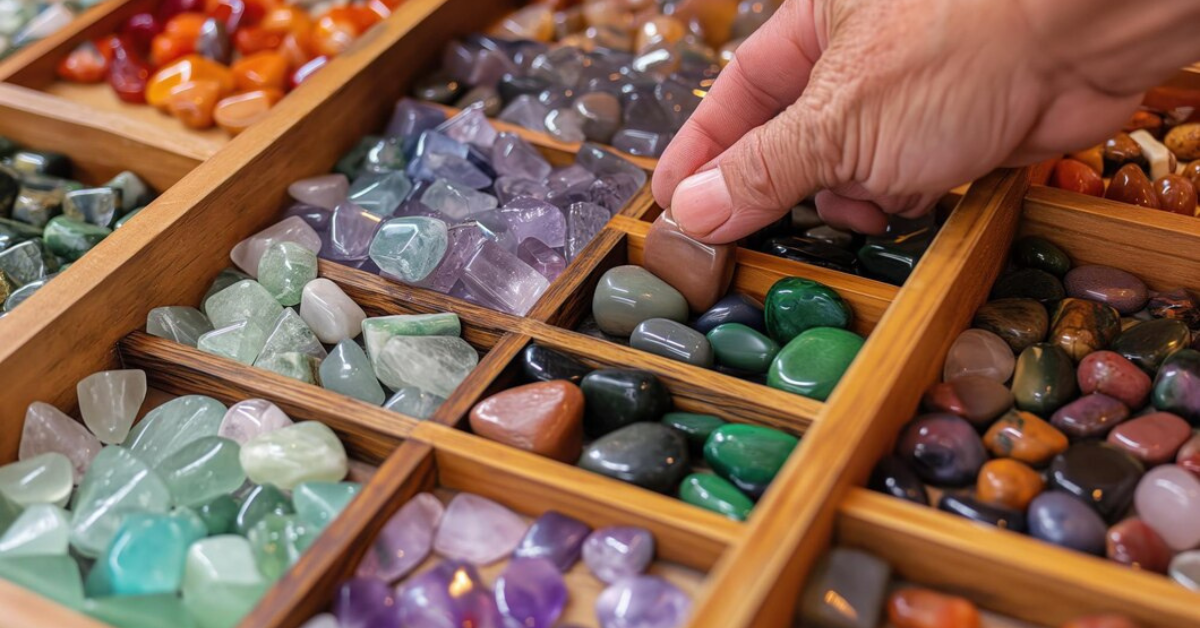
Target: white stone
[109, 402]
[304, 452]
[323, 191]
[331, 315]
[247, 419]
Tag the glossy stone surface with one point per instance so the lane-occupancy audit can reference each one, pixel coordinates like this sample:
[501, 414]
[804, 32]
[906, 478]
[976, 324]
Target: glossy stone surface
[1150, 343]
[500, 280]
[892, 476]
[246, 419]
[450, 594]
[167, 428]
[543, 364]
[1090, 416]
[617, 552]
[976, 398]
[331, 315]
[717, 494]
[1131, 185]
[531, 592]
[221, 582]
[556, 538]
[70, 239]
[1178, 303]
[47, 429]
[628, 295]
[1112, 286]
[306, 451]
[649, 455]
[942, 449]
[892, 258]
[478, 530]
[1044, 380]
[202, 470]
[278, 542]
[241, 341]
[322, 191]
[969, 507]
[744, 348]
[643, 601]
[1098, 474]
[1151, 438]
[584, 221]
[414, 402]
[244, 300]
[845, 590]
[1081, 327]
[378, 330]
[409, 248]
[700, 272]
[795, 305]
[43, 479]
[1185, 569]
[1008, 483]
[1177, 385]
[1029, 283]
[147, 555]
[1019, 322]
[923, 608]
[1132, 542]
[1025, 437]
[247, 253]
[1168, 500]
[40, 530]
[813, 363]
[1109, 373]
[259, 502]
[1189, 455]
[979, 352]
[696, 428]
[734, 308]
[674, 340]
[109, 401]
[404, 541]
[284, 269]
[616, 398]
[1042, 254]
[1061, 519]
[219, 515]
[436, 364]
[117, 483]
[545, 260]
[184, 325]
[544, 417]
[53, 577]
[347, 371]
[749, 456]
[291, 349]
[362, 602]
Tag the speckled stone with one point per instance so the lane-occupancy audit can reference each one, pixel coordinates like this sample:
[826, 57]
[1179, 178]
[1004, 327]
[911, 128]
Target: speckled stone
[1109, 373]
[1109, 285]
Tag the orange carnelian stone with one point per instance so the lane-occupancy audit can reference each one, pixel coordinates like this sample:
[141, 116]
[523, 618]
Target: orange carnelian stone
[261, 70]
[185, 25]
[189, 69]
[379, 8]
[254, 39]
[85, 64]
[922, 608]
[1101, 621]
[236, 113]
[296, 49]
[334, 33]
[167, 48]
[286, 19]
[193, 102]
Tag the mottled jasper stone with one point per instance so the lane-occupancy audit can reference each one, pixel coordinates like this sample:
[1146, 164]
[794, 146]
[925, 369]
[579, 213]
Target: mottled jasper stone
[1044, 379]
[943, 449]
[1061, 519]
[1168, 500]
[1109, 373]
[545, 418]
[922, 608]
[979, 352]
[1020, 322]
[1113, 286]
[1099, 474]
[1029, 283]
[1148, 344]
[1177, 385]
[701, 272]
[1152, 438]
[1081, 326]
[1178, 303]
[1131, 185]
[971, 508]
[1025, 437]
[1008, 483]
[975, 398]
[892, 476]
[1090, 416]
[1132, 542]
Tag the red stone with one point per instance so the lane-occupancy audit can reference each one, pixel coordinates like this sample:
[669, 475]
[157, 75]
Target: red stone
[128, 74]
[922, 608]
[545, 418]
[140, 30]
[85, 64]
[1078, 177]
[1153, 438]
[1111, 374]
[1176, 194]
[1100, 621]
[1189, 455]
[1131, 185]
[1136, 544]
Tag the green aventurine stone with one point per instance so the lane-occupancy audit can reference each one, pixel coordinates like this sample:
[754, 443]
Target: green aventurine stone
[219, 514]
[184, 325]
[284, 269]
[813, 362]
[742, 347]
[43, 479]
[318, 503]
[297, 453]
[202, 470]
[42, 530]
[140, 611]
[53, 577]
[260, 502]
[298, 366]
[9, 512]
[1042, 254]
[696, 428]
[379, 329]
[749, 456]
[147, 555]
[221, 582]
[244, 300]
[794, 305]
[1044, 379]
[226, 278]
[118, 483]
[892, 259]
[290, 334]
[350, 163]
[278, 541]
[71, 238]
[716, 494]
[348, 371]
[241, 341]
[435, 364]
[167, 428]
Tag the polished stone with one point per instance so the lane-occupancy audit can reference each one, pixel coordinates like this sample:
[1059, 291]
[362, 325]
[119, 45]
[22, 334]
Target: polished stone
[700, 272]
[846, 589]
[109, 401]
[813, 363]
[968, 507]
[543, 364]
[324, 191]
[146, 556]
[585, 220]
[743, 348]
[1185, 569]
[1090, 416]
[259, 502]
[673, 340]
[284, 269]
[221, 582]
[278, 542]
[1081, 327]
[545, 260]
[450, 594]
[414, 402]
[893, 258]
[1177, 385]
[181, 324]
[240, 341]
[942, 449]
[409, 248]
[795, 305]
[118, 482]
[734, 308]
[56, 577]
[1040, 253]
[628, 295]
[219, 515]
[351, 230]
[1008, 483]
[649, 455]
[556, 538]
[404, 541]
[976, 398]
[1030, 283]
[892, 476]
[242, 301]
[40, 530]
[348, 371]
[696, 428]
[306, 451]
[618, 552]
[1112, 286]
[1109, 373]
[544, 417]
[1152, 438]
[531, 592]
[1061, 519]
[70, 239]
[364, 602]
[167, 428]
[643, 601]
[1020, 322]
[378, 330]
[1099, 474]
[47, 429]
[478, 530]
[615, 398]
[1044, 380]
[1168, 500]
[202, 470]
[1150, 343]
[979, 352]
[246, 419]
[717, 494]
[435, 364]
[1132, 542]
[247, 253]
[749, 456]
[1025, 437]
[502, 280]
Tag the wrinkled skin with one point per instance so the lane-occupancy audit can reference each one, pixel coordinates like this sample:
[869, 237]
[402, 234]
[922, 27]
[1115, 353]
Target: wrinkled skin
[880, 107]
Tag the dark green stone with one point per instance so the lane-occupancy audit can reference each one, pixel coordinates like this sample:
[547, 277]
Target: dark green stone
[696, 428]
[1042, 254]
[1148, 343]
[614, 398]
[649, 455]
[1177, 386]
[219, 515]
[7, 147]
[749, 456]
[260, 502]
[72, 238]
[715, 493]
[1020, 322]
[350, 163]
[13, 233]
[814, 362]
[127, 217]
[893, 259]
[1044, 380]
[10, 184]
[1030, 283]
[794, 305]
[742, 347]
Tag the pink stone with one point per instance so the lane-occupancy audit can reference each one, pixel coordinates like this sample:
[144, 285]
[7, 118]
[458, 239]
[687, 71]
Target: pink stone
[405, 540]
[1153, 438]
[47, 429]
[617, 552]
[979, 352]
[478, 530]
[1168, 500]
[351, 229]
[248, 252]
[499, 277]
[253, 417]
[323, 191]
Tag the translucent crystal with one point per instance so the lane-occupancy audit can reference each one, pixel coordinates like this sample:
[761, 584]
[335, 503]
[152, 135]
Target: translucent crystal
[167, 428]
[43, 479]
[244, 300]
[221, 582]
[109, 401]
[456, 201]
[246, 419]
[541, 258]
[380, 192]
[513, 156]
[47, 429]
[118, 483]
[409, 248]
[248, 252]
[404, 541]
[146, 556]
[202, 470]
[478, 530]
[284, 270]
[435, 364]
[290, 334]
[584, 222]
[414, 402]
[348, 371]
[299, 453]
[41, 530]
[182, 324]
[351, 229]
[240, 341]
[319, 503]
[502, 278]
[95, 206]
[525, 111]
[470, 126]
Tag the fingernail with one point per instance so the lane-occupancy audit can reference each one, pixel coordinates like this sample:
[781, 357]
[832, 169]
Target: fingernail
[702, 203]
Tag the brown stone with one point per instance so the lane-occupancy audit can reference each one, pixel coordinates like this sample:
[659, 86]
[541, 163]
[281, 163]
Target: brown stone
[976, 398]
[1192, 172]
[1153, 438]
[1131, 185]
[1020, 322]
[1008, 483]
[545, 418]
[1176, 194]
[1136, 544]
[1081, 326]
[923, 608]
[1023, 436]
[1149, 121]
[1120, 150]
[1184, 141]
[701, 272]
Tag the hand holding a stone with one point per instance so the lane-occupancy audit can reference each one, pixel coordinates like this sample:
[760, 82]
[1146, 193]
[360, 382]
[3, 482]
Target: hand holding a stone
[878, 108]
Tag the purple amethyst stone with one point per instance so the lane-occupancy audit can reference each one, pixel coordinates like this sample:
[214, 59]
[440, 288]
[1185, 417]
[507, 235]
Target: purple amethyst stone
[642, 602]
[531, 592]
[555, 537]
[617, 552]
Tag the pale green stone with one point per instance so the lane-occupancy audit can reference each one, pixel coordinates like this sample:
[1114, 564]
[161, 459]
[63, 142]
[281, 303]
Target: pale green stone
[414, 402]
[435, 364]
[241, 341]
[117, 484]
[53, 577]
[9, 512]
[278, 541]
[409, 248]
[191, 521]
[261, 501]
[298, 453]
[221, 582]
[319, 503]
[140, 611]
[184, 325]
[244, 300]
[226, 278]
[299, 366]
[43, 479]
[134, 191]
[202, 470]
[284, 269]
[290, 334]
[379, 329]
[167, 428]
[147, 555]
[348, 371]
[42, 530]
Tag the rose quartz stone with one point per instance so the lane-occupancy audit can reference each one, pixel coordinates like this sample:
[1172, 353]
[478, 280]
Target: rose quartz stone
[1168, 500]
[478, 530]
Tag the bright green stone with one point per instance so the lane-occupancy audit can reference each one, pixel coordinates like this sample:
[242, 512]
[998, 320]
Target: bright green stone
[813, 362]
[749, 456]
[53, 577]
[42, 530]
[43, 479]
[696, 428]
[278, 541]
[261, 501]
[226, 278]
[716, 494]
[379, 329]
[72, 238]
[289, 339]
[202, 470]
[241, 341]
[221, 582]
[147, 555]
[219, 514]
[348, 371]
[118, 483]
[1044, 379]
[167, 428]
[284, 269]
[184, 325]
[244, 300]
[795, 305]
[319, 503]
[297, 453]
[140, 611]
[741, 347]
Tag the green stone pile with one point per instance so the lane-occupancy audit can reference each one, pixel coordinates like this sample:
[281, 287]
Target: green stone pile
[48, 220]
[183, 520]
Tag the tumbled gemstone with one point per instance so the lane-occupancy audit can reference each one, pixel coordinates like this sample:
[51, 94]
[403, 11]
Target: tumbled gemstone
[278, 541]
[409, 248]
[377, 330]
[329, 313]
[243, 301]
[541, 258]
[414, 402]
[167, 428]
[95, 206]
[47, 429]
[322, 191]
[41, 530]
[116, 484]
[348, 371]
[289, 334]
[261, 501]
[1061, 519]
[513, 156]
[246, 419]
[503, 280]
[184, 325]
[109, 401]
[53, 577]
[647, 601]
[240, 341]
[922, 608]
[478, 530]
[298, 453]
[221, 581]
[247, 253]
[556, 538]
[584, 221]
[435, 364]
[450, 594]
[979, 352]
[404, 541]
[943, 449]
[531, 592]
[43, 479]
[618, 552]
[365, 602]
[284, 269]
[202, 470]
[146, 556]
[845, 590]
[1168, 500]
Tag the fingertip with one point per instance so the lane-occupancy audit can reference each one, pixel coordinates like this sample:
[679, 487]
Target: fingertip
[702, 203]
[852, 214]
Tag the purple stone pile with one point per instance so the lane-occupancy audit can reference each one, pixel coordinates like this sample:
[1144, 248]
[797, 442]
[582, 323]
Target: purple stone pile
[454, 206]
[389, 591]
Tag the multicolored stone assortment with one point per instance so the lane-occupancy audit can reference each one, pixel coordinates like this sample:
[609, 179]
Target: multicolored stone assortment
[424, 570]
[23, 22]
[48, 220]
[184, 519]
[623, 72]
[1067, 413]
[222, 62]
